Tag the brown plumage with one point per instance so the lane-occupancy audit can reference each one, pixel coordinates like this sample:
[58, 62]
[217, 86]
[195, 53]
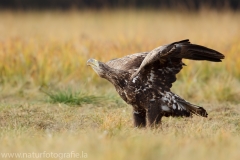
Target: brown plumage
[143, 80]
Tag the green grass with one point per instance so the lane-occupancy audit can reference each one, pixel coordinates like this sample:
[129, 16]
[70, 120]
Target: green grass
[71, 98]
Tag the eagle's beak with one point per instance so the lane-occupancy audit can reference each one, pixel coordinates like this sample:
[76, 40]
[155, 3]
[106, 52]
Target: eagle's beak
[92, 62]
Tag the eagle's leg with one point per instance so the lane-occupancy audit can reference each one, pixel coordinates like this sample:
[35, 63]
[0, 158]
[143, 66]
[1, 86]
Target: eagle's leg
[139, 118]
[154, 116]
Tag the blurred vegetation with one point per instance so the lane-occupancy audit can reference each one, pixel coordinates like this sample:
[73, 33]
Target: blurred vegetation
[51, 48]
[83, 4]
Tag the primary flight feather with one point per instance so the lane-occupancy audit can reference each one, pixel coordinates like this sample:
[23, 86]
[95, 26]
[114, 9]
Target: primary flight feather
[143, 80]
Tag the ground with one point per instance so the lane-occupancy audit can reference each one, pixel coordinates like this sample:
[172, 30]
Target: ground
[52, 105]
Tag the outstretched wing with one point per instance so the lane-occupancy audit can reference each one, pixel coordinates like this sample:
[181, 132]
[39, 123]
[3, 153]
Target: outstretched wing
[160, 75]
[127, 63]
[160, 66]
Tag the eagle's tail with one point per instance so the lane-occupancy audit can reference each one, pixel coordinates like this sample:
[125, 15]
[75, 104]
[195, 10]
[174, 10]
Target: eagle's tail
[194, 109]
[197, 52]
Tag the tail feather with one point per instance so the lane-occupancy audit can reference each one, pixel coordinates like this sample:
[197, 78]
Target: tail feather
[194, 109]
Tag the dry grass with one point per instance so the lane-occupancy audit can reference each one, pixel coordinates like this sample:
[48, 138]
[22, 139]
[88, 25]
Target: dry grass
[107, 133]
[51, 48]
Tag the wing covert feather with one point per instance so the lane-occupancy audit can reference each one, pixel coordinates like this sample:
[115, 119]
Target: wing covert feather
[129, 62]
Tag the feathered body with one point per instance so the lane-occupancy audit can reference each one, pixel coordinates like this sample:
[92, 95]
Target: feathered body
[143, 80]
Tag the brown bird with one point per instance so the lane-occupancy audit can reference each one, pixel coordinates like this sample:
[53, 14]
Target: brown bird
[143, 80]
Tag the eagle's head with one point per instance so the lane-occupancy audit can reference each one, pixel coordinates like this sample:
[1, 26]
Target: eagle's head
[99, 67]
[116, 77]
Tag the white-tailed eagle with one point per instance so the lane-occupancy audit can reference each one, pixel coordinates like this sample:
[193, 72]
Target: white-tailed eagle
[143, 80]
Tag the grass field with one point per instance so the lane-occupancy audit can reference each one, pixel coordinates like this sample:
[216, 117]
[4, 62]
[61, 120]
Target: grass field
[52, 103]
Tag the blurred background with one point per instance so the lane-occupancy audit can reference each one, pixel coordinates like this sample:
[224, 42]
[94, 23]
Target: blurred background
[80, 4]
[47, 42]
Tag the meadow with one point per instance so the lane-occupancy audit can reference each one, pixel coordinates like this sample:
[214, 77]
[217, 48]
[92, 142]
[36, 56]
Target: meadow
[51, 102]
